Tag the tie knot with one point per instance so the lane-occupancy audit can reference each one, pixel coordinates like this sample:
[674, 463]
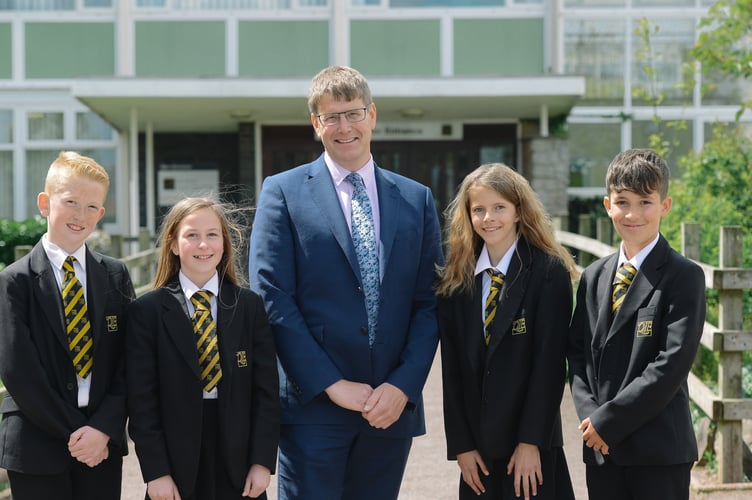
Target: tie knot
[68, 264]
[497, 278]
[202, 300]
[356, 180]
[625, 274]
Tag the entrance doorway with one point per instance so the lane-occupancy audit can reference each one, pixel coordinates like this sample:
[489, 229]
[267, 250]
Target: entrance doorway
[440, 165]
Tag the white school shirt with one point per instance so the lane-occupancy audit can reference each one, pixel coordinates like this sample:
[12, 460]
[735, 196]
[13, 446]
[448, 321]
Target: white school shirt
[485, 263]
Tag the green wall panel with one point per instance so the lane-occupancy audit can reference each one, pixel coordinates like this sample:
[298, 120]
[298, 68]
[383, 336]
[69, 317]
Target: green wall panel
[180, 48]
[405, 48]
[506, 47]
[300, 48]
[6, 52]
[69, 50]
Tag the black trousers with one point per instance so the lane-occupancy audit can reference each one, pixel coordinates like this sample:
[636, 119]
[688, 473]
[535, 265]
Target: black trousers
[77, 482]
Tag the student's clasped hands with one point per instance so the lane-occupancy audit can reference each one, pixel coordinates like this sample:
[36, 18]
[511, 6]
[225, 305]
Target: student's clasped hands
[592, 438]
[89, 445]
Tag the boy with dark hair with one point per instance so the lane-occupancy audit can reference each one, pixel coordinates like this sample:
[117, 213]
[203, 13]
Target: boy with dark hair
[62, 433]
[634, 335]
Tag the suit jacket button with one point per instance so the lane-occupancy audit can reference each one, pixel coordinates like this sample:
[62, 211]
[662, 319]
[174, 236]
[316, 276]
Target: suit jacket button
[70, 386]
[360, 290]
[364, 330]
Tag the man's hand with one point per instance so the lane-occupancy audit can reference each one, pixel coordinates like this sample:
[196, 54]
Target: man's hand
[349, 395]
[89, 445]
[384, 406]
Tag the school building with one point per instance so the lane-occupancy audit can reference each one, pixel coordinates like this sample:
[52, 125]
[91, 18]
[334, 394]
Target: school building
[195, 96]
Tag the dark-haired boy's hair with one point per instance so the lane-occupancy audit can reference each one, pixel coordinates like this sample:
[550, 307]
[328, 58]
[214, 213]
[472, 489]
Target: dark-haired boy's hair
[640, 171]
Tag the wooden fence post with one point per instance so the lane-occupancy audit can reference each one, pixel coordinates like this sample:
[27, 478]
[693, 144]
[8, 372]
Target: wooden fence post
[604, 230]
[690, 240]
[730, 310]
[116, 246]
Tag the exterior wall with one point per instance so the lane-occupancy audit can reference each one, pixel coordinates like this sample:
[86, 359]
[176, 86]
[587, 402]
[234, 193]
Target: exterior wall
[180, 48]
[510, 47]
[394, 47]
[300, 48]
[69, 50]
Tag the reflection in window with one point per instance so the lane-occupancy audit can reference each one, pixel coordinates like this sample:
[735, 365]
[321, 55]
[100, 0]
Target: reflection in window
[37, 164]
[595, 50]
[45, 127]
[670, 50]
[680, 140]
[6, 187]
[6, 126]
[595, 3]
[97, 3]
[37, 5]
[89, 126]
[591, 148]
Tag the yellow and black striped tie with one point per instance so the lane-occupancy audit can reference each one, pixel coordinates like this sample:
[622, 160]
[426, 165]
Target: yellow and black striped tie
[622, 279]
[77, 325]
[497, 281]
[206, 339]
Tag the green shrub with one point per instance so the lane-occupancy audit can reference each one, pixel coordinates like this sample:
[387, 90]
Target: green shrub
[14, 233]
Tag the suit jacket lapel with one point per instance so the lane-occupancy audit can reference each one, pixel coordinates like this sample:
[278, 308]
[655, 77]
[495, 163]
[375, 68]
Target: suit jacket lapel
[323, 194]
[389, 211]
[48, 293]
[178, 324]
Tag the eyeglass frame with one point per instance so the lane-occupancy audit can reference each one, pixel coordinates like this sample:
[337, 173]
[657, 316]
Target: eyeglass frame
[339, 116]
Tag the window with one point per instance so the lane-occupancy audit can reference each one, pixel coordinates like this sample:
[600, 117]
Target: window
[45, 126]
[6, 187]
[6, 126]
[595, 50]
[89, 126]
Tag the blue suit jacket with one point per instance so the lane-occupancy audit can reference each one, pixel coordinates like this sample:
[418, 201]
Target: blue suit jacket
[303, 263]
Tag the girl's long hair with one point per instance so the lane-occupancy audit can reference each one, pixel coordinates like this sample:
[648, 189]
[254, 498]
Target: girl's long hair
[464, 244]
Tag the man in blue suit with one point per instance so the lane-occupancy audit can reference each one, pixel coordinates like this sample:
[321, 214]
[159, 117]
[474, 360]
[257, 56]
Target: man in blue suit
[350, 384]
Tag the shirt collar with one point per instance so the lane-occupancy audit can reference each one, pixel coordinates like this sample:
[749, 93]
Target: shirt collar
[485, 263]
[339, 173]
[57, 255]
[638, 259]
[189, 288]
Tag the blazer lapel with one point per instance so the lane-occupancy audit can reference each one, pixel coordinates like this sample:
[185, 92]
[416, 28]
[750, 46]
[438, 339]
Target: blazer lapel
[178, 324]
[473, 331]
[228, 332]
[97, 280]
[515, 284]
[642, 285]
[48, 293]
[323, 194]
[604, 325]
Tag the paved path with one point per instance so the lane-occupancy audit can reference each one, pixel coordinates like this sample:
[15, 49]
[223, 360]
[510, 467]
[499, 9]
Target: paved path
[429, 476]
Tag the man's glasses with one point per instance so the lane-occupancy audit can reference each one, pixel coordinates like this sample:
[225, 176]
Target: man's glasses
[352, 116]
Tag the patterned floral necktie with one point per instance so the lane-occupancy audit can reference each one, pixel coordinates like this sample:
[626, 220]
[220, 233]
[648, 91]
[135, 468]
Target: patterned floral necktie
[364, 240]
[622, 279]
[492, 302]
[77, 325]
[206, 339]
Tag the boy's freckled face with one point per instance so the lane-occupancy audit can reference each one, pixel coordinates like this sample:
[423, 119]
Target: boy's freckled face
[637, 218]
[73, 210]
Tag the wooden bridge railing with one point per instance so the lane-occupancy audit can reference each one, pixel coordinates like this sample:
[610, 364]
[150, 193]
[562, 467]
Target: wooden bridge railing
[729, 406]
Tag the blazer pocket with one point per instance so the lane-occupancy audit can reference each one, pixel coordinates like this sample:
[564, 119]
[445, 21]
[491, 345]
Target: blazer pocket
[644, 323]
